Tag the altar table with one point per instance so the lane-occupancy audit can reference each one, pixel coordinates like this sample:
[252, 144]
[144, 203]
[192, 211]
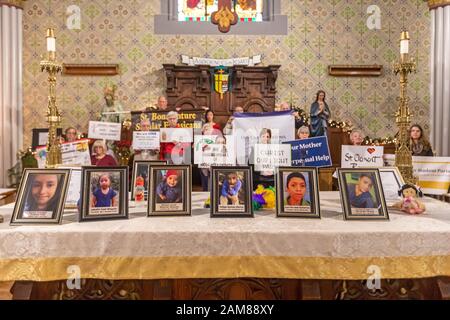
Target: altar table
[260, 253]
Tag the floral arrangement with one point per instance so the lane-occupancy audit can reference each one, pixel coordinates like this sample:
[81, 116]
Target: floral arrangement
[122, 149]
[263, 198]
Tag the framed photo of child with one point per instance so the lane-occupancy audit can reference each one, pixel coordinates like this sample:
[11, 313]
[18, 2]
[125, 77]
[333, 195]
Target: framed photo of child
[362, 194]
[140, 178]
[297, 192]
[41, 196]
[105, 193]
[231, 191]
[170, 190]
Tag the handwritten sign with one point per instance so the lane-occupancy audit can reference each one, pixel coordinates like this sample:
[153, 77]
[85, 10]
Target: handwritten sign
[311, 152]
[269, 156]
[208, 151]
[176, 135]
[104, 130]
[362, 156]
[76, 153]
[145, 140]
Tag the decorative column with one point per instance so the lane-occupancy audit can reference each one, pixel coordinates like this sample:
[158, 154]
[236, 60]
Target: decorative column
[440, 76]
[11, 121]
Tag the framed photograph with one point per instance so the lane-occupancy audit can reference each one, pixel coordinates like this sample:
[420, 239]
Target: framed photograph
[74, 187]
[170, 190]
[392, 181]
[231, 192]
[104, 193]
[41, 196]
[139, 178]
[40, 137]
[362, 194]
[297, 192]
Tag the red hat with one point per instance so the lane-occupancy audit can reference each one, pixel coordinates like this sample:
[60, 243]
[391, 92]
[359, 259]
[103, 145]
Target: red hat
[172, 173]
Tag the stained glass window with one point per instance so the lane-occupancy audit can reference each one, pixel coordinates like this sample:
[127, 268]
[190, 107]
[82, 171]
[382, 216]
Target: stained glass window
[200, 10]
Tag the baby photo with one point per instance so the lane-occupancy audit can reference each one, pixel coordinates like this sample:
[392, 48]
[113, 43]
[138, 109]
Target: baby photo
[231, 196]
[104, 195]
[170, 189]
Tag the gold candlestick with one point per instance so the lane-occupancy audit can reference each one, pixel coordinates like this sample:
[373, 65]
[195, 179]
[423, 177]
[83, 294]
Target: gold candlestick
[53, 116]
[403, 155]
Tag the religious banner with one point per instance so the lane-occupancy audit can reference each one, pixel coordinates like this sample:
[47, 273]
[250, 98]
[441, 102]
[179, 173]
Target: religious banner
[213, 150]
[145, 140]
[249, 129]
[104, 130]
[176, 135]
[269, 156]
[158, 119]
[433, 173]
[362, 156]
[243, 61]
[72, 153]
[311, 152]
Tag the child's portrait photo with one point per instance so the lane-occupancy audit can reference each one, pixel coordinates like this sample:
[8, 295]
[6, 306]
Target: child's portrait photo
[230, 191]
[41, 195]
[140, 178]
[170, 188]
[297, 192]
[361, 192]
[104, 197]
[105, 193]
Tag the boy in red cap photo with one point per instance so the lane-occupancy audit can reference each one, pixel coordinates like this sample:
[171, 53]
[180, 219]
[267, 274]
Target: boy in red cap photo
[168, 190]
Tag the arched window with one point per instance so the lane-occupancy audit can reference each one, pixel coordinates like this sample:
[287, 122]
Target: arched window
[256, 17]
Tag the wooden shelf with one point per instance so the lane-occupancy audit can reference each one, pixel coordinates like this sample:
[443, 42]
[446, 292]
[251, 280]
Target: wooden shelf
[355, 70]
[91, 69]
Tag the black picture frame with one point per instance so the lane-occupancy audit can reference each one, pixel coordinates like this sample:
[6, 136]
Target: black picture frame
[36, 132]
[309, 205]
[34, 189]
[159, 187]
[368, 205]
[146, 164]
[91, 193]
[245, 175]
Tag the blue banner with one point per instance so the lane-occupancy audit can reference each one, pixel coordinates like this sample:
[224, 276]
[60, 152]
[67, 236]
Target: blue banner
[311, 152]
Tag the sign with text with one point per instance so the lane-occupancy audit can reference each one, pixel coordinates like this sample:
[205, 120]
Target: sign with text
[176, 135]
[362, 156]
[270, 156]
[76, 153]
[211, 150]
[104, 130]
[433, 173]
[158, 119]
[311, 152]
[145, 140]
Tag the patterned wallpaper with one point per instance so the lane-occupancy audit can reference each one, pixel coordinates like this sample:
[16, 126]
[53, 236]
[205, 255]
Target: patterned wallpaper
[320, 33]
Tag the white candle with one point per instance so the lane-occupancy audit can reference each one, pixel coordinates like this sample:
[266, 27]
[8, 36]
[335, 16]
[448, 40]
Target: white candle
[51, 44]
[404, 46]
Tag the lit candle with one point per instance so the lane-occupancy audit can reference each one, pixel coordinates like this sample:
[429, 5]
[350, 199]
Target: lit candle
[51, 40]
[404, 42]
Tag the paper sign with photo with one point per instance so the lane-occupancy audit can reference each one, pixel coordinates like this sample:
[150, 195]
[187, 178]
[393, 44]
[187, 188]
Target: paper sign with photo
[104, 130]
[176, 135]
[76, 153]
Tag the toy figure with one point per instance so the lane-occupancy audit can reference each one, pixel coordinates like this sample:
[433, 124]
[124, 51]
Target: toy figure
[139, 189]
[410, 204]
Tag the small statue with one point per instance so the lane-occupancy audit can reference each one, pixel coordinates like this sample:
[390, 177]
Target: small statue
[111, 105]
[139, 189]
[410, 204]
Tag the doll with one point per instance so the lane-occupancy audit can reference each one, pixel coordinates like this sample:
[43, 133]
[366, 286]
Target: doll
[410, 204]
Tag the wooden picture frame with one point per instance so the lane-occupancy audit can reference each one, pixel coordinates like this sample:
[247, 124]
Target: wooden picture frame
[142, 167]
[170, 190]
[242, 179]
[290, 182]
[95, 203]
[41, 196]
[362, 194]
[392, 181]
